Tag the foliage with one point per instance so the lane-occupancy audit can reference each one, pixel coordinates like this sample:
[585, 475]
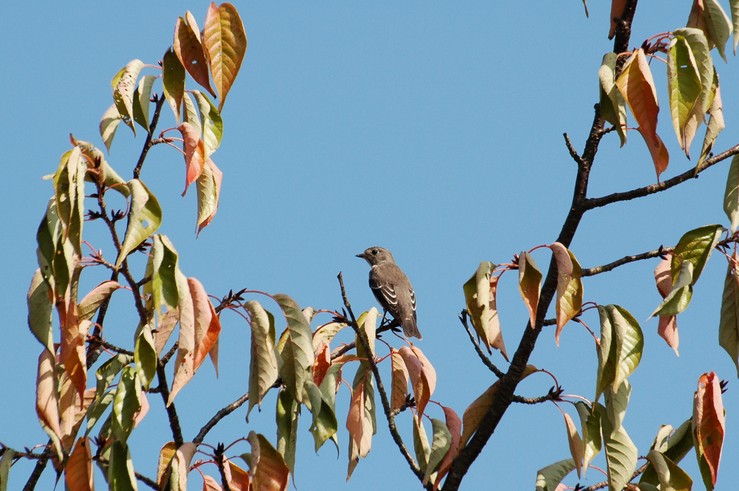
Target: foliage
[297, 352]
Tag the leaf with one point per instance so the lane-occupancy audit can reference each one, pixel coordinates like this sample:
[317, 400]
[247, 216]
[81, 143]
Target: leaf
[207, 324]
[69, 193]
[731, 194]
[734, 5]
[180, 466]
[126, 404]
[529, 281]
[679, 297]
[297, 356]
[399, 382]
[454, 425]
[185, 362]
[696, 40]
[728, 329]
[367, 327]
[163, 463]
[194, 153]
[144, 218]
[708, 427]
[225, 44]
[263, 368]
[637, 87]
[479, 294]
[421, 444]
[591, 438]
[5, 462]
[124, 84]
[325, 425]
[695, 247]
[569, 286]
[190, 52]
[684, 86]
[238, 478]
[91, 303]
[39, 303]
[423, 378]
[287, 413]
[212, 123]
[621, 453]
[173, 81]
[47, 399]
[209, 193]
[78, 471]
[142, 99]
[121, 476]
[145, 355]
[612, 104]
[669, 474]
[577, 448]
[268, 470]
[719, 25]
[360, 420]
[161, 289]
[617, 10]
[667, 328]
[620, 347]
[441, 442]
[108, 125]
[617, 401]
[549, 477]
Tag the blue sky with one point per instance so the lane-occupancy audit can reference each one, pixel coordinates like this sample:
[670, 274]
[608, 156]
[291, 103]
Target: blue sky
[433, 129]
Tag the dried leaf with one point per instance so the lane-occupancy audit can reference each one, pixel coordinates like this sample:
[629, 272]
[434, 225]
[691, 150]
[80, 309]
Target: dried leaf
[480, 296]
[399, 383]
[190, 52]
[577, 448]
[708, 427]
[194, 153]
[268, 470]
[529, 283]
[78, 471]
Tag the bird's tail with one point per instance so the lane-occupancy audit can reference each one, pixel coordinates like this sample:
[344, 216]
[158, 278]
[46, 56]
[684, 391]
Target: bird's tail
[410, 328]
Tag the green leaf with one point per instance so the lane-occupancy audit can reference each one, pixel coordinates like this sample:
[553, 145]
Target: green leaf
[124, 85]
[569, 288]
[109, 370]
[549, 477]
[731, 194]
[212, 123]
[684, 86]
[728, 329]
[421, 444]
[529, 281]
[56, 256]
[612, 103]
[734, 5]
[719, 25]
[669, 475]
[173, 80]
[40, 311]
[91, 303]
[97, 408]
[617, 401]
[440, 443]
[620, 347]
[121, 476]
[590, 425]
[144, 218]
[208, 187]
[142, 100]
[263, 367]
[5, 463]
[108, 125]
[145, 355]
[479, 296]
[69, 193]
[696, 247]
[126, 404]
[621, 453]
[287, 427]
[297, 355]
[162, 268]
[325, 425]
[679, 297]
[716, 123]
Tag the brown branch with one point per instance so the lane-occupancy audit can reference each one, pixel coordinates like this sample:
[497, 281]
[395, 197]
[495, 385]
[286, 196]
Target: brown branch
[624, 260]
[222, 413]
[571, 149]
[661, 186]
[389, 415]
[159, 103]
[174, 420]
[478, 349]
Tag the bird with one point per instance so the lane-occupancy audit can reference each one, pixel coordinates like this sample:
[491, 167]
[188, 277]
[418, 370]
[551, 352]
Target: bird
[392, 289]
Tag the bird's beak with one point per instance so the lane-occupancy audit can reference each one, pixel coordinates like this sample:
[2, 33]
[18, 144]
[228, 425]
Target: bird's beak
[361, 255]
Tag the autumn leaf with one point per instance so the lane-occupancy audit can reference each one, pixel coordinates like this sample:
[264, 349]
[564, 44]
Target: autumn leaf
[728, 330]
[708, 427]
[422, 375]
[267, 468]
[612, 104]
[617, 10]
[667, 328]
[569, 286]
[194, 153]
[124, 84]
[577, 448]
[207, 325]
[173, 81]
[47, 399]
[731, 194]
[95, 298]
[190, 52]
[637, 87]
[480, 297]
[144, 218]
[225, 44]
[529, 281]
[454, 425]
[78, 473]
[399, 381]
[360, 420]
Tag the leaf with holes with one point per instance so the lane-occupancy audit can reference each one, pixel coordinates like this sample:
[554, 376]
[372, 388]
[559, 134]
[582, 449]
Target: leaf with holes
[190, 51]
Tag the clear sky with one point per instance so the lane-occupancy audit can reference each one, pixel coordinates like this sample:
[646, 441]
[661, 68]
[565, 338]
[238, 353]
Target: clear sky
[433, 129]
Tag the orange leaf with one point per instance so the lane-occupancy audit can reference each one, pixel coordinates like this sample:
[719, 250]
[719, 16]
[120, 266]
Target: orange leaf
[422, 388]
[637, 87]
[207, 323]
[708, 425]
[165, 328]
[359, 424]
[529, 281]
[47, 397]
[268, 469]
[194, 150]
[667, 328]
[322, 362]
[165, 458]
[78, 471]
[190, 52]
[454, 424]
[210, 484]
[577, 448]
[225, 44]
[617, 10]
[399, 381]
[72, 349]
[238, 478]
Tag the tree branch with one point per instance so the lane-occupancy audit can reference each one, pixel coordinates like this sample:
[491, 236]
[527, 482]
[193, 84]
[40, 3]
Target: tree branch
[624, 260]
[478, 349]
[222, 413]
[661, 186]
[174, 420]
[159, 102]
[389, 415]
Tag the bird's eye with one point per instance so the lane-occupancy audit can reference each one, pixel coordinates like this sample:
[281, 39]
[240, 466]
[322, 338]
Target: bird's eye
[374, 252]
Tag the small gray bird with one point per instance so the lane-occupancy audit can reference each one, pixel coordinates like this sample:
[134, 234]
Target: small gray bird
[392, 288]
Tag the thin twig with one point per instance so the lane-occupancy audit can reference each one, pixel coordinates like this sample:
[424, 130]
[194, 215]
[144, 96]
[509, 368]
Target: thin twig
[389, 415]
[478, 349]
[159, 102]
[624, 260]
[38, 469]
[174, 420]
[573, 153]
[222, 413]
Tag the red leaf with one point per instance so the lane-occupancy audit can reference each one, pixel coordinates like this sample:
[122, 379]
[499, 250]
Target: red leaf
[190, 52]
[207, 324]
[667, 323]
[322, 362]
[194, 150]
[709, 424]
[78, 471]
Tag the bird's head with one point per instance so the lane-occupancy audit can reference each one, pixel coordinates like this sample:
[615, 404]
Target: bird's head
[376, 255]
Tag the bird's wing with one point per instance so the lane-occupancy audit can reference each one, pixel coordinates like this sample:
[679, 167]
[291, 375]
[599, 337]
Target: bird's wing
[385, 294]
